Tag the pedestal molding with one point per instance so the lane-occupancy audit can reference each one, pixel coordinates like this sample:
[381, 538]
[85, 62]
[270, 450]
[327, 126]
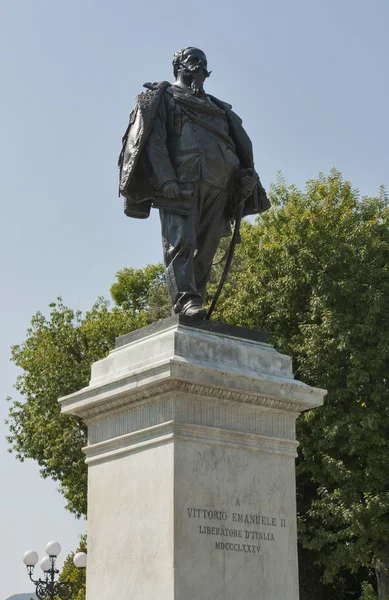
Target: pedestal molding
[169, 431]
[103, 399]
[195, 410]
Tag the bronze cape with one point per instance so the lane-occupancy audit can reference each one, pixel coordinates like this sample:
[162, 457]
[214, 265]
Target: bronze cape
[135, 184]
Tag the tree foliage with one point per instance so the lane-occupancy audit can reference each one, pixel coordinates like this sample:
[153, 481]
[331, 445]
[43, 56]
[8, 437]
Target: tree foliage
[134, 288]
[56, 359]
[77, 576]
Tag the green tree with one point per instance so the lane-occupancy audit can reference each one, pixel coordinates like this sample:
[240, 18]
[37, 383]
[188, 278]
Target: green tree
[56, 359]
[368, 592]
[142, 290]
[314, 273]
[73, 574]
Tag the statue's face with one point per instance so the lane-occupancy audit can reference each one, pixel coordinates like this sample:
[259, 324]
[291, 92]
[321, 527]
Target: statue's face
[195, 61]
[193, 69]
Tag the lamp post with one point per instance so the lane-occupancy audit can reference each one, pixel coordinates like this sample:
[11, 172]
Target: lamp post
[48, 588]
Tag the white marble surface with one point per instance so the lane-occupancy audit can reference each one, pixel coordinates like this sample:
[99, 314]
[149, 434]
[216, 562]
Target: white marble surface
[130, 527]
[259, 558]
[191, 469]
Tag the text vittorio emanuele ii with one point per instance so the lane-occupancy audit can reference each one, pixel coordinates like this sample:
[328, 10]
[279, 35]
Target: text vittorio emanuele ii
[239, 531]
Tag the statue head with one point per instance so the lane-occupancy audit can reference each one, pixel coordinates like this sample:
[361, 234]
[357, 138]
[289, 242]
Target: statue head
[190, 65]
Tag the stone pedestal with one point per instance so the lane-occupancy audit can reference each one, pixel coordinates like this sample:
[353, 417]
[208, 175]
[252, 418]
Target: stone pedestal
[191, 455]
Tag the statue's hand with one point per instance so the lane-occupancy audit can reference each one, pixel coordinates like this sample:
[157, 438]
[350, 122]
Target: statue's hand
[171, 190]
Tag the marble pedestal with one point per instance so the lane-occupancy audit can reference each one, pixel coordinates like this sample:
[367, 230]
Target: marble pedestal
[191, 450]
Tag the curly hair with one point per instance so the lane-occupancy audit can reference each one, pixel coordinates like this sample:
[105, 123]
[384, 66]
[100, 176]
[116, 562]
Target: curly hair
[177, 59]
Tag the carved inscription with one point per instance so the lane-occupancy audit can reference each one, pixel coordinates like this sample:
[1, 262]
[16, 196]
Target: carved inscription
[235, 530]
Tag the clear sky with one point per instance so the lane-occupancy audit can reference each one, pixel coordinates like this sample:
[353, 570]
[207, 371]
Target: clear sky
[308, 77]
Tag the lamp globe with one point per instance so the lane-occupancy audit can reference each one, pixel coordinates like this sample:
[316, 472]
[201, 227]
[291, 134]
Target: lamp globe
[79, 560]
[53, 548]
[30, 558]
[45, 564]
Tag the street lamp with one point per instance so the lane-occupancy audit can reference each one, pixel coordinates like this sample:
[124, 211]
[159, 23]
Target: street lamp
[48, 588]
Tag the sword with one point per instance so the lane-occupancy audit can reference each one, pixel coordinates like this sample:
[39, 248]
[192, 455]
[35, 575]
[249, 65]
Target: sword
[246, 181]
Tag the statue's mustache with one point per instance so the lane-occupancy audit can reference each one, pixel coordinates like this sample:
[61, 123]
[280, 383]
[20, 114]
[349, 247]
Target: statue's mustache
[198, 68]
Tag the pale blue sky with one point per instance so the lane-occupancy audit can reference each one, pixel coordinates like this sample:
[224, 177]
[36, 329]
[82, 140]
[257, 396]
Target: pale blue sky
[308, 77]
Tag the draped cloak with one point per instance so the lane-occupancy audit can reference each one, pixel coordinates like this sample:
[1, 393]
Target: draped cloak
[135, 182]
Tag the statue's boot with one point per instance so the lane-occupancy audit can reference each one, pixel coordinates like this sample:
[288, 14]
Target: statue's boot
[194, 310]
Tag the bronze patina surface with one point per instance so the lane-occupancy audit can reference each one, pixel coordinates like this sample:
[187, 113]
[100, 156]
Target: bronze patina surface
[186, 153]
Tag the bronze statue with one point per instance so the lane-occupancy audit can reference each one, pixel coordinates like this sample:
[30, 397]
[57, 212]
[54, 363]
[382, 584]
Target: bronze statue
[186, 153]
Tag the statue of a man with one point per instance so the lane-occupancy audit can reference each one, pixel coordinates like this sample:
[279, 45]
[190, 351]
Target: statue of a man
[184, 152]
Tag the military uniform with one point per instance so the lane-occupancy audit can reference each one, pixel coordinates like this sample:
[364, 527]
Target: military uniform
[198, 142]
[184, 146]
